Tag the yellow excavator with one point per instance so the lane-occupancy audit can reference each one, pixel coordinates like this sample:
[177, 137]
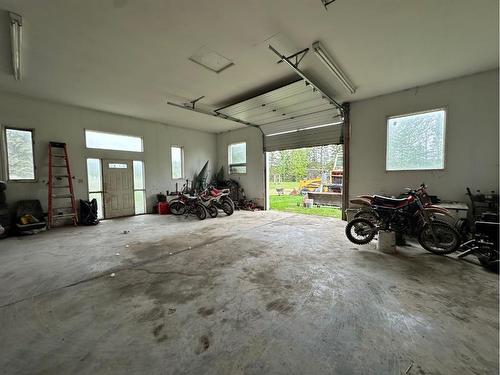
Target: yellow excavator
[310, 185]
[331, 183]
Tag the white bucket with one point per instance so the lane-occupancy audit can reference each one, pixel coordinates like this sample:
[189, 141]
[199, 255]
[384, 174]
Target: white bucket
[308, 203]
[386, 242]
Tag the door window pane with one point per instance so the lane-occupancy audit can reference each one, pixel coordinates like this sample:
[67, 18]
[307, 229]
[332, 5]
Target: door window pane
[138, 175]
[140, 202]
[98, 198]
[177, 167]
[20, 159]
[94, 174]
[111, 141]
[416, 141]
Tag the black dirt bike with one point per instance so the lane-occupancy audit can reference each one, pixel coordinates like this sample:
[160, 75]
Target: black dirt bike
[408, 216]
[484, 245]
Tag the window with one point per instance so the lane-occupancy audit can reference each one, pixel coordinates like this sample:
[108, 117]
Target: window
[177, 162]
[111, 141]
[139, 188]
[416, 141]
[237, 158]
[94, 178]
[20, 159]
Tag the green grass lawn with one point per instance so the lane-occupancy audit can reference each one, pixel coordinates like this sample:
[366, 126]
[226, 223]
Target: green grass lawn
[288, 203]
[287, 185]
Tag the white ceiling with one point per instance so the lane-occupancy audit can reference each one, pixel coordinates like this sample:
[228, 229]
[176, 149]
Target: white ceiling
[130, 56]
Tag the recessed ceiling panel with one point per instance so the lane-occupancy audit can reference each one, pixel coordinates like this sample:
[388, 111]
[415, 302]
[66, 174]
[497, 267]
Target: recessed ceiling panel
[211, 60]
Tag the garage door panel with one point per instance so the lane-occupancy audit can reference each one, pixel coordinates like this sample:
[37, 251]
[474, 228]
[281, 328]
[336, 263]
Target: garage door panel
[321, 136]
[295, 115]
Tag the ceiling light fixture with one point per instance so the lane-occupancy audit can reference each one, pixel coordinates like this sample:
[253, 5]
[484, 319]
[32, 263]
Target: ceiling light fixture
[16, 23]
[332, 66]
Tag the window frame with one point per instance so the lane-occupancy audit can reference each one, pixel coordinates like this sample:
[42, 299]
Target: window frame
[143, 190]
[101, 192]
[229, 161]
[6, 154]
[407, 114]
[172, 163]
[111, 133]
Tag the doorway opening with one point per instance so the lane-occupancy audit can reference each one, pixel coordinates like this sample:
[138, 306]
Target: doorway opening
[306, 180]
[118, 186]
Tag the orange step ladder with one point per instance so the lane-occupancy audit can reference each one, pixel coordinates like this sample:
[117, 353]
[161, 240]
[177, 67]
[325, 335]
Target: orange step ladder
[62, 205]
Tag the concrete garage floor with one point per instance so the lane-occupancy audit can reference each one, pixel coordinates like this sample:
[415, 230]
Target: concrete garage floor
[255, 293]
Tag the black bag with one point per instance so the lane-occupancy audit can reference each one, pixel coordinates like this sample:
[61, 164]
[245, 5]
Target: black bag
[88, 212]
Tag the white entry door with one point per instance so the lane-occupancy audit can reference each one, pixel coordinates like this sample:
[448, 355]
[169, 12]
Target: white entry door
[118, 188]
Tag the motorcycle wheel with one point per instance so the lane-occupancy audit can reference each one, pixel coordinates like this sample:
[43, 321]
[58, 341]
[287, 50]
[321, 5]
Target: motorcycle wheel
[360, 231]
[227, 208]
[200, 211]
[212, 211]
[177, 208]
[229, 200]
[448, 239]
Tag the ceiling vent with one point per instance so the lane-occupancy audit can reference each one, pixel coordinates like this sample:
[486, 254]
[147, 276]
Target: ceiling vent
[211, 60]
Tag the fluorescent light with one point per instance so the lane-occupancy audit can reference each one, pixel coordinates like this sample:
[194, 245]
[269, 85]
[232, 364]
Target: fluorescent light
[16, 25]
[302, 129]
[334, 68]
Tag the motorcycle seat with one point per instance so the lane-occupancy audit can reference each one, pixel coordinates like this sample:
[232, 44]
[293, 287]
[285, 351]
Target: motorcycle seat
[380, 200]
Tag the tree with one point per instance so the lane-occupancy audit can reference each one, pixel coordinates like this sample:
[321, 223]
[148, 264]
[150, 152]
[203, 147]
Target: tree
[299, 164]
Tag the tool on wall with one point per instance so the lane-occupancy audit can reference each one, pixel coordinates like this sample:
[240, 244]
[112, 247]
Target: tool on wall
[60, 185]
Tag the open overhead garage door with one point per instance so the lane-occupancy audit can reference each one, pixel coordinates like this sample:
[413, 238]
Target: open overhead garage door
[293, 116]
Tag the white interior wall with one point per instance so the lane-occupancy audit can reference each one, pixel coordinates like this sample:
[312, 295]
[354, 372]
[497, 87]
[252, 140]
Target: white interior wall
[471, 138]
[252, 181]
[57, 122]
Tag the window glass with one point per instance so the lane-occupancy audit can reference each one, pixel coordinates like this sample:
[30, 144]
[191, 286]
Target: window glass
[416, 141]
[138, 175]
[20, 161]
[238, 153]
[98, 198]
[237, 158]
[111, 141]
[140, 202]
[94, 174]
[177, 167]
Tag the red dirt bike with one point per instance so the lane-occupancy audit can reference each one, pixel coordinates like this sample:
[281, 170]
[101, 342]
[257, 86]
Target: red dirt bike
[368, 201]
[178, 204]
[407, 215]
[215, 199]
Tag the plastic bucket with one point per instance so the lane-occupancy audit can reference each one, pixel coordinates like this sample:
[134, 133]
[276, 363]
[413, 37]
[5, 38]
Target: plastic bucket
[163, 208]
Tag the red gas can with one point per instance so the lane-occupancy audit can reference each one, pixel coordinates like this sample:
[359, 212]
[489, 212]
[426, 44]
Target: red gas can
[163, 208]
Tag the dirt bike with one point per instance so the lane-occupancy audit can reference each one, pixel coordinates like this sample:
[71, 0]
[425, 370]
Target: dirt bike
[407, 215]
[484, 245]
[193, 206]
[368, 212]
[208, 201]
[177, 205]
[220, 199]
